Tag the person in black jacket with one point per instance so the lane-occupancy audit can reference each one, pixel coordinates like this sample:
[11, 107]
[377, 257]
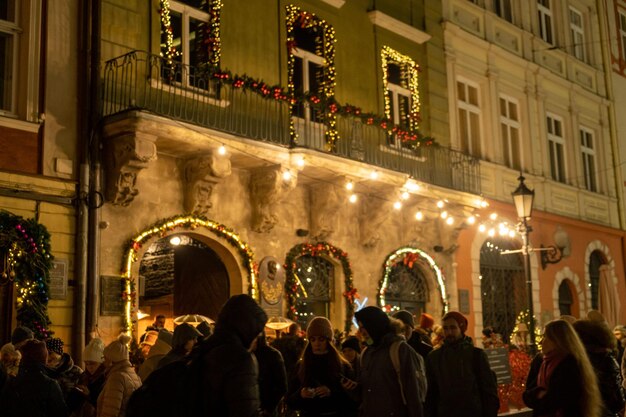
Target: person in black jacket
[600, 343]
[31, 393]
[419, 341]
[562, 382]
[272, 376]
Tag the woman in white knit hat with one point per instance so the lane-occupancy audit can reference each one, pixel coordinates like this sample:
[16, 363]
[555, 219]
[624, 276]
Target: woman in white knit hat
[84, 399]
[121, 379]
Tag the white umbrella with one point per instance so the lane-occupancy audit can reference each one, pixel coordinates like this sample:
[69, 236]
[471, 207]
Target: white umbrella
[278, 323]
[193, 319]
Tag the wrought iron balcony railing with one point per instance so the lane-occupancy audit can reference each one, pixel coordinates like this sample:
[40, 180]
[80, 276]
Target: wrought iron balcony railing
[140, 81]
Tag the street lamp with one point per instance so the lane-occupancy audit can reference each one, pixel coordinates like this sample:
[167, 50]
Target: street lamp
[523, 199]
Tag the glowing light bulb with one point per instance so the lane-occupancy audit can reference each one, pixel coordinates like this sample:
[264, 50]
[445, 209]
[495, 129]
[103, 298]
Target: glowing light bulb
[175, 240]
[397, 205]
[482, 228]
[300, 162]
[287, 175]
[353, 198]
[511, 233]
[444, 214]
[419, 216]
[349, 186]
[471, 220]
[440, 204]
[412, 186]
[405, 195]
[450, 221]
[492, 232]
[221, 150]
[374, 175]
[493, 216]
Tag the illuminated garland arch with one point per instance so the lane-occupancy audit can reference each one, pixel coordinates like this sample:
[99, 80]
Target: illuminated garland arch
[409, 255]
[407, 64]
[28, 261]
[316, 249]
[191, 223]
[325, 47]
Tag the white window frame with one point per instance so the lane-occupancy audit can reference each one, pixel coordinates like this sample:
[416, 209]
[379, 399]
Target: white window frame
[469, 109]
[308, 57]
[577, 33]
[509, 125]
[12, 30]
[545, 19]
[622, 32]
[556, 143]
[588, 154]
[395, 91]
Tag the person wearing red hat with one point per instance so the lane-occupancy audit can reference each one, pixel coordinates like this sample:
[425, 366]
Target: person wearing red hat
[460, 381]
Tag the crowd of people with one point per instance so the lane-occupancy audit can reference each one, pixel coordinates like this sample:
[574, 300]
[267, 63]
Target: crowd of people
[390, 367]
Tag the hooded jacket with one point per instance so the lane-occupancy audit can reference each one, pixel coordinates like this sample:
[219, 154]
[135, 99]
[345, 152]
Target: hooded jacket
[157, 352]
[66, 374]
[230, 381]
[121, 382]
[460, 382]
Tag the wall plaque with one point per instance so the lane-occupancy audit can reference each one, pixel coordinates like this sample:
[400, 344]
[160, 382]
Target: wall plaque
[58, 280]
[111, 301]
[271, 283]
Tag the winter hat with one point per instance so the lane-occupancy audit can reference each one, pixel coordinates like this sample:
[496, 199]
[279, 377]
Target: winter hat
[458, 317]
[375, 321]
[150, 337]
[351, 342]
[243, 316]
[54, 344]
[405, 317]
[34, 351]
[183, 333]
[204, 328]
[94, 351]
[165, 336]
[117, 350]
[21, 334]
[426, 321]
[595, 315]
[320, 326]
[9, 350]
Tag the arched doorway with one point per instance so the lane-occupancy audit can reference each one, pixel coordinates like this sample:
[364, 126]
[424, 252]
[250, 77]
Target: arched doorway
[502, 286]
[180, 275]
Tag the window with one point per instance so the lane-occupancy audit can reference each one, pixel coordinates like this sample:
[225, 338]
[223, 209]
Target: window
[9, 31]
[503, 9]
[191, 44]
[308, 72]
[578, 33]
[622, 33]
[401, 95]
[509, 129]
[589, 159]
[316, 278]
[407, 289]
[545, 20]
[596, 260]
[469, 118]
[556, 145]
[565, 299]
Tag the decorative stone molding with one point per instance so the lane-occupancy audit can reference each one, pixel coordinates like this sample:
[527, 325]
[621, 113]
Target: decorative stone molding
[325, 203]
[409, 32]
[126, 156]
[374, 213]
[267, 189]
[567, 274]
[201, 175]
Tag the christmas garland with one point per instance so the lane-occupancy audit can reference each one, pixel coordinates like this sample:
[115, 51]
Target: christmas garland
[161, 229]
[317, 249]
[26, 244]
[409, 256]
[409, 71]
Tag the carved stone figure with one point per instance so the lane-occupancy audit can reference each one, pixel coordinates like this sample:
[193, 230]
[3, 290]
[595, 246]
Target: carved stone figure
[325, 203]
[267, 189]
[374, 213]
[201, 175]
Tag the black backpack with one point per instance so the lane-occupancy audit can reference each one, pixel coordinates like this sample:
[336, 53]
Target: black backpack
[173, 390]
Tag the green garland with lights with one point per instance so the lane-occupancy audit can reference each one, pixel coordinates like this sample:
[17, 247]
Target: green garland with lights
[317, 249]
[26, 244]
[161, 229]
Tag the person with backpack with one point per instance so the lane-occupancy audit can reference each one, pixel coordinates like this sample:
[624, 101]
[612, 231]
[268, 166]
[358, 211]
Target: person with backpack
[390, 372]
[460, 381]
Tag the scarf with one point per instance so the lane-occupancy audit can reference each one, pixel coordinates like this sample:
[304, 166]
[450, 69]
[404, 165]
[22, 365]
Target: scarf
[550, 361]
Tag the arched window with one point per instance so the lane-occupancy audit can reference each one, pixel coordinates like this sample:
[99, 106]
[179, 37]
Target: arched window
[315, 274]
[565, 299]
[596, 260]
[502, 286]
[407, 288]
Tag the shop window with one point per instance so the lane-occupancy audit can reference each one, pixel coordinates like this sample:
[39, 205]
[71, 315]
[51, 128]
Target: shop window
[407, 289]
[510, 131]
[469, 117]
[596, 260]
[316, 276]
[565, 299]
[588, 154]
[502, 286]
[556, 148]
[544, 12]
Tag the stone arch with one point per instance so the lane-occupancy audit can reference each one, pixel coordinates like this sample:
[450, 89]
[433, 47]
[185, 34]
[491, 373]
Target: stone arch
[567, 274]
[432, 272]
[477, 302]
[236, 255]
[610, 262]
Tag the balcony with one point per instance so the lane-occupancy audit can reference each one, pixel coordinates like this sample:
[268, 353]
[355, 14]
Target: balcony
[142, 82]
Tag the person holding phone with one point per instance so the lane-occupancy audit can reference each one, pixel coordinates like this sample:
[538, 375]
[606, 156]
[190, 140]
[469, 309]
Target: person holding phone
[317, 387]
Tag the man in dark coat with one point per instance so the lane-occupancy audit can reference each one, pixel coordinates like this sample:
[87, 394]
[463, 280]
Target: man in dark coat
[460, 381]
[272, 376]
[231, 378]
[383, 390]
[31, 393]
[417, 340]
[291, 346]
